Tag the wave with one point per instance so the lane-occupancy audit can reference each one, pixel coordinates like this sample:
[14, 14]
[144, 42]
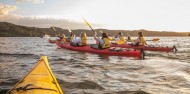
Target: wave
[171, 55]
[132, 92]
[16, 54]
[85, 84]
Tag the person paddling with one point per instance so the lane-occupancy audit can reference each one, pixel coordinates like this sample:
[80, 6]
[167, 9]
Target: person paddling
[129, 37]
[104, 42]
[59, 37]
[140, 40]
[63, 38]
[82, 41]
[72, 36]
[121, 39]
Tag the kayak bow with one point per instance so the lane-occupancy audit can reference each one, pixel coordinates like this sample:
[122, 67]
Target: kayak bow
[52, 41]
[40, 80]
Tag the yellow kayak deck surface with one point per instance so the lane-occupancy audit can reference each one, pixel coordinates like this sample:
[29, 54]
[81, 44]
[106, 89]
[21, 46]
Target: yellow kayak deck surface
[40, 80]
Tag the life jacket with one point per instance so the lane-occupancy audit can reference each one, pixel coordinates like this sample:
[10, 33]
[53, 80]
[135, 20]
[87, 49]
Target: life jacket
[121, 41]
[106, 43]
[142, 41]
[63, 39]
[83, 41]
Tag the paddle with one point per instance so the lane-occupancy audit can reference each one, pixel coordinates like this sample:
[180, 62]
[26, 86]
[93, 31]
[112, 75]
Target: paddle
[69, 29]
[90, 26]
[54, 29]
[155, 39]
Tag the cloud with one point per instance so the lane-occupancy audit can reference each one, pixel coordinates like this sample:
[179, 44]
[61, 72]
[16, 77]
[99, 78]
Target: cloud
[33, 1]
[5, 12]
[37, 21]
[6, 9]
[44, 22]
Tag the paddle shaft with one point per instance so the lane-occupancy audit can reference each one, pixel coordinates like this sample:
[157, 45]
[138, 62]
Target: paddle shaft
[93, 30]
[153, 40]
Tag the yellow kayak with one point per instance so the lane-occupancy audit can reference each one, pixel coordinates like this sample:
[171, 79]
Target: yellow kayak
[40, 80]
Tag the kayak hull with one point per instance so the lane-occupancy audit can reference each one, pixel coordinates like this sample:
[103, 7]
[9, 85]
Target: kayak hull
[40, 80]
[113, 52]
[146, 48]
[52, 41]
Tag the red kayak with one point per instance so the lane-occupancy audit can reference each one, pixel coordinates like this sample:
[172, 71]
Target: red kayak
[147, 48]
[114, 51]
[52, 41]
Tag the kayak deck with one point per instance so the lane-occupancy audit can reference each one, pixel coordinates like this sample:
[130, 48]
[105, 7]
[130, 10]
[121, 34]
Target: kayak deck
[146, 48]
[112, 51]
[40, 80]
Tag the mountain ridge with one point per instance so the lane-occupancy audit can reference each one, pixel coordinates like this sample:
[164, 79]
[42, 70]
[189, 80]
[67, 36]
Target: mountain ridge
[12, 30]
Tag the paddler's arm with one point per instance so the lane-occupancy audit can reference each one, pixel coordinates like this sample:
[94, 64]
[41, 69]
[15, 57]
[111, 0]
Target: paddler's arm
[98, 39]
[95, 36]
[116, 39]
[111, 38]
[136, 41]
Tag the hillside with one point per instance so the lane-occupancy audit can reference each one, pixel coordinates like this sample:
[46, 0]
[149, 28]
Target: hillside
[12, 30]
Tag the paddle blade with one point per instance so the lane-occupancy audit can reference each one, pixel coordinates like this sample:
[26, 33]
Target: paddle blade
[69, 29]
[86, 22]
[89, 26]
[155, 39]
[54, 29]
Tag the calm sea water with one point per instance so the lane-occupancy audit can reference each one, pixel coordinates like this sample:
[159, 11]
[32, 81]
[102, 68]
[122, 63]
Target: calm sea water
[78, 72]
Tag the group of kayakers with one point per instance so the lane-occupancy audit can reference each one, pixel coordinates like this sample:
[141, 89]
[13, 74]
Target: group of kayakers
[104, 41]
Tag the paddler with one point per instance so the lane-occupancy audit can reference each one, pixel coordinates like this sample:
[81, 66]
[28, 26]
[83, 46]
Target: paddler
[103, 42]
[81, 41]
[63, 38]
[116, 37]
[72, 36]
[140, 41]
[59, 37]
[129, 37]
[121, 39]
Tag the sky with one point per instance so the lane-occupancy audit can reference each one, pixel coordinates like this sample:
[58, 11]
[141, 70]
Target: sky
[158, 15]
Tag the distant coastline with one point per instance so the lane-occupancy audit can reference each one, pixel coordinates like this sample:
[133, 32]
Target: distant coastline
[12, 30]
